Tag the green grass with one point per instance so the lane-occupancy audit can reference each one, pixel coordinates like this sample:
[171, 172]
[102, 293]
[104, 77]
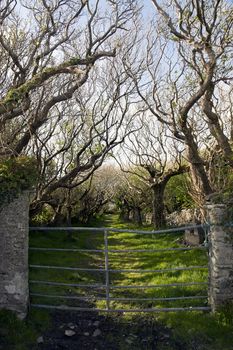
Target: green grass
[21, 335]
[194, 330]
[135, 260]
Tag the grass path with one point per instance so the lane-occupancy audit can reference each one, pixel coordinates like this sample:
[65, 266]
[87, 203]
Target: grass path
[163, 331]
[118, 261]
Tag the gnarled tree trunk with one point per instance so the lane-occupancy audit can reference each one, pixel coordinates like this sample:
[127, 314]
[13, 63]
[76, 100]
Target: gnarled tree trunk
[158, 208]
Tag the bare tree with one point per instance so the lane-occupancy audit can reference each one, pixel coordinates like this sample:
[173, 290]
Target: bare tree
[155, 158]
[131, 196]
[62, 99]
[45, 61]
[202, 33]
[175, 74]
[79, 136]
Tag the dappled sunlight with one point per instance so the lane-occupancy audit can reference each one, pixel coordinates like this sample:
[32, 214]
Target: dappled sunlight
[145, 262]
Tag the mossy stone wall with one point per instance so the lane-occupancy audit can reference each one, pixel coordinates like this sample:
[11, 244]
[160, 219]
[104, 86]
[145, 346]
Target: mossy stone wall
[220, 256]
[14, 227]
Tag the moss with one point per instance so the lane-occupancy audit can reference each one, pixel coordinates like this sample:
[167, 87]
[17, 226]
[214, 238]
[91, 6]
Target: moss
[74, 61]
[16, 175]
[15, 95]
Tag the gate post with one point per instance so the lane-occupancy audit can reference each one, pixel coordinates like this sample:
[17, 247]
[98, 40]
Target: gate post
[14, 222]
[220, 256]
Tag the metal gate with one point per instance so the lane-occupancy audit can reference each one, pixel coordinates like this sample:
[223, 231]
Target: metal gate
[107, 297]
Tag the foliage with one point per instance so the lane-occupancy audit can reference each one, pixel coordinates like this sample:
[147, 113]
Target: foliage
[177, 196]
[221, 175]
[14, 333]
[81, 203]
[44, 217]
[225, 314]
[16, 175]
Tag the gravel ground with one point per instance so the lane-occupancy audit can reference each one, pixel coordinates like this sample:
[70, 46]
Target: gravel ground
[90, 331]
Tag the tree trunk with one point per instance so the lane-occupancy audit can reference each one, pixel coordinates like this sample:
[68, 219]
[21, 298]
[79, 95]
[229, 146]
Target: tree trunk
[125, 210]
[58, 217]
[124, 214]
[137, 215]
[215, 127]
[68, 221]
[200, 181]
[35, 208]
[158, 217]
[68, 213]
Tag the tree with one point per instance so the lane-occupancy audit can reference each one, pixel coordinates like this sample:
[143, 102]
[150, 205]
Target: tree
[161, 86]
[177, 194]
[202, 32]
[186, 45]
[86, 201]
[45, 67]
[131, 196]
[98, 193]
[80, 136]
[155, 158]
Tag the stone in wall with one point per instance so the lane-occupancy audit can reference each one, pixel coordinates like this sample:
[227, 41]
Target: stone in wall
[220, 257]
[14, 218]
[183, 217]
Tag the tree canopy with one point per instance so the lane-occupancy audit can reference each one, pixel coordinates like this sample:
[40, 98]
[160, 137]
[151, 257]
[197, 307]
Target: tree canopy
[82, 81]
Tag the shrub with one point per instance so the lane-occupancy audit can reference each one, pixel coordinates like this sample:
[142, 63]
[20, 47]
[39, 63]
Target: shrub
[16, 175]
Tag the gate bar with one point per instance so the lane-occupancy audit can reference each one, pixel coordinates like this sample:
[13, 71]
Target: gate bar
[115, 250]
[106, 268]
[50, 283]
[181, 284]
[185, 284]
[171, 309]
[116, 271]
[68, 297]
[169, 230]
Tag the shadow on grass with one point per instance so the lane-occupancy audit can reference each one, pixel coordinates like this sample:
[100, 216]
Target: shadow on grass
[190, 331]
[95, 240]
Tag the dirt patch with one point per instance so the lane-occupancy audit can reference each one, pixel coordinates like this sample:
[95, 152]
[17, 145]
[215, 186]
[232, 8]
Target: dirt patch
[81, 331]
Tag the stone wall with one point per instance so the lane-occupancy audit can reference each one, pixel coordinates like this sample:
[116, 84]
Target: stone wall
[179, 218]
[220, 257]
[184, 217]
[188, 217]
[14, 294]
